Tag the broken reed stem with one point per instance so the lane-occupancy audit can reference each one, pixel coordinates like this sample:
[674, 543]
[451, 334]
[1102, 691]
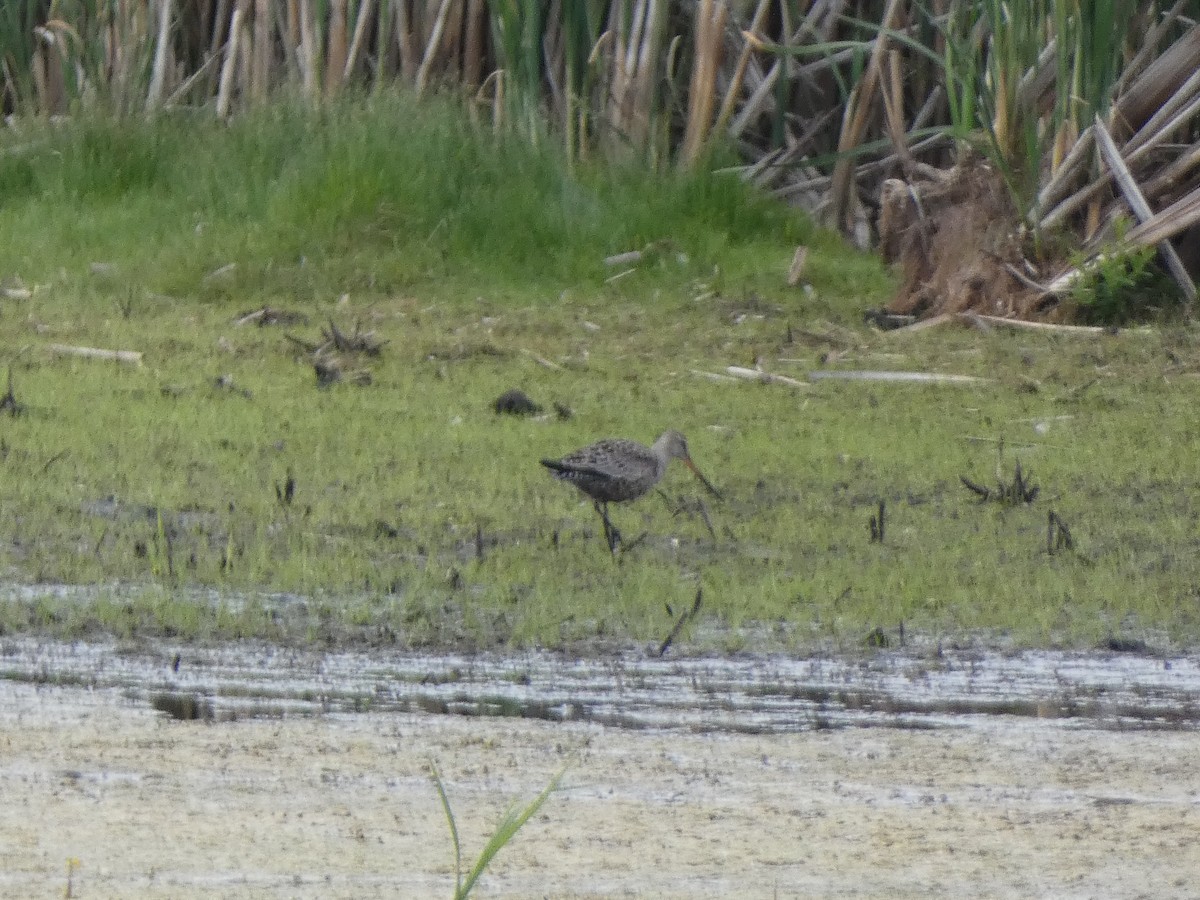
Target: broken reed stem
[133, 357]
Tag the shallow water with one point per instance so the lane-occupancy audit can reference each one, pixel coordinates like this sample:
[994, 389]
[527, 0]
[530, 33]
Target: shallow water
[752, 694]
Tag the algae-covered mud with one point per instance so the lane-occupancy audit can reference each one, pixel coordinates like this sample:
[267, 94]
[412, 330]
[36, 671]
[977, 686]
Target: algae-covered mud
[893, 775]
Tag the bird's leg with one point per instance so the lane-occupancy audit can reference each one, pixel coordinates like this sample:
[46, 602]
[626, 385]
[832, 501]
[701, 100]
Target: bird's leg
[610, 530]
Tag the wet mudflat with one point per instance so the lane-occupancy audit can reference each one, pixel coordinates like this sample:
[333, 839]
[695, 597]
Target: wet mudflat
[258, 771]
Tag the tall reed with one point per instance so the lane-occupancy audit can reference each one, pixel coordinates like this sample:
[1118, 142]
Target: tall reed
[819, 103]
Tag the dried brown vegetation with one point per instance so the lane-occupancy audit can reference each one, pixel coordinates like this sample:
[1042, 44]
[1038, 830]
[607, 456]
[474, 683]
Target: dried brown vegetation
[1086, 113]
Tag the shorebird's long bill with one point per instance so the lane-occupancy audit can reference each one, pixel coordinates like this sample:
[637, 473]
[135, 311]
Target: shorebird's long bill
[712, 490]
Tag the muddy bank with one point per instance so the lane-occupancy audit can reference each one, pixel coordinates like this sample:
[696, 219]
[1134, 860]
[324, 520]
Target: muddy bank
[931, 688]
[302, 799]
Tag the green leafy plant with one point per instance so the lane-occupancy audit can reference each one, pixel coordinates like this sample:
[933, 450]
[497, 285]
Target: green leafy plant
[510, 824]
[1121, 286]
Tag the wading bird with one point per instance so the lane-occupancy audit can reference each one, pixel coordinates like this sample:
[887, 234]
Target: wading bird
[618, 470]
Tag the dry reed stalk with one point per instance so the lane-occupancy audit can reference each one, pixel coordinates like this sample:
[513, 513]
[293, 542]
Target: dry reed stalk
[1174, 174]
[1174, 112]
[858, 111]
[1182, 214]
[292, 22]
[220, 20]
[1158, 83]
[336, 48]
[406, 39]
[498, 102]
[386, 55]
[260, 53]
[761, 97]
[309, 73]
[288, 23]
[1137, 202]
[752, 42]
[1145, 55]
[225, 90]
[452, 40]
[597, 90]
[893, 111]
[1147, 139]
[783, 67]
[162, 52]
[205, 68]
[710, 27]
[49, 58]
[131, 37]
[638, 42]
[126, 356]
[473, 46]
[245, 63]
[554, 58]
[622, 62]
[647, 59]
[360, 32]
[432, 46]
[1076, 161]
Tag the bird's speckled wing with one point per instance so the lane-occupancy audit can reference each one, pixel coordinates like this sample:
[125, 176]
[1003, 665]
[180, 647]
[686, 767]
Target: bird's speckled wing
[615, 458]
[609, 470]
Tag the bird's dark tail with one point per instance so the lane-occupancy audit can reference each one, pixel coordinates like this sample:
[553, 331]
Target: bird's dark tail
[554, 465]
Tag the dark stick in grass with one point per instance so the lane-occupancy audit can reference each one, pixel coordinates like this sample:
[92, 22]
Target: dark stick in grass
[684, 617]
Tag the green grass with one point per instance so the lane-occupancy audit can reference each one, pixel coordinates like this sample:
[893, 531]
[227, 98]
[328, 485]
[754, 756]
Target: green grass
[475, 260]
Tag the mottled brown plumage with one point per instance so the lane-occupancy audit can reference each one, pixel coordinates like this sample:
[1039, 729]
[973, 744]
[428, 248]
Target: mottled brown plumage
[617, 470]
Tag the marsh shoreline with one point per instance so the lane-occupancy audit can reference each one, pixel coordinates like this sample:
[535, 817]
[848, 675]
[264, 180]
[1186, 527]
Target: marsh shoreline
[279, 790]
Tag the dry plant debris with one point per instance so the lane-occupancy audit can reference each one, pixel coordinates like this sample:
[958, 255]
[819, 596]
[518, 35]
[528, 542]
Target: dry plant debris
[1020, 490]
[326, 355]
[270, 315]
[9, 402]
[330, 370]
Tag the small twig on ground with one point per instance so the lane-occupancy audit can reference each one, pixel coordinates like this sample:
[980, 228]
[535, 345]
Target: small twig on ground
[895, 377]
[303, 344]
[632, 257]
[9, 402]
[358, 342]
[285, 492]
[126, 356]
[1058, 535]
[877, 522]
[329, 371]
[625, 548]
[765, 377]
[269, 315]
[1020, 490]
[542, 361]
[683, 619]
[52, 460]
[1051, 326]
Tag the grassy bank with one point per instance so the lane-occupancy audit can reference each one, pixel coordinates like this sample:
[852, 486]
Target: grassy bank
[420, 516]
